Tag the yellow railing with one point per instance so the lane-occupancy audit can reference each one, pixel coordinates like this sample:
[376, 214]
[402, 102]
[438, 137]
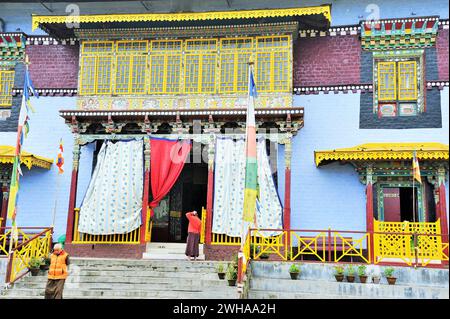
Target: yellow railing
[203, 230]
[269, 244]
[4, 243]
[37, 246]
[409, 241]
[308, 245]
[148, 226]
[83, 238]
[345, 246]
[224, 240]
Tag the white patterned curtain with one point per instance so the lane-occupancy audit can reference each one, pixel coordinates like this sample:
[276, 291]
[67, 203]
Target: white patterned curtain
[113, 200]
[270, 212]
[229, 185]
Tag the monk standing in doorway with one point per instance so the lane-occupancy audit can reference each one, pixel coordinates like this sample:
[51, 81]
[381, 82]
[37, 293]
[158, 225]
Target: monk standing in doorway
[193, 239]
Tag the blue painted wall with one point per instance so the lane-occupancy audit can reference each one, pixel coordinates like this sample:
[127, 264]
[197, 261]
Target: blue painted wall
[332, 195]
[39, 187]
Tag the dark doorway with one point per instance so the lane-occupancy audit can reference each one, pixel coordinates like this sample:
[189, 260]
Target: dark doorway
[406, 204]
[188, 194]
[398, 204]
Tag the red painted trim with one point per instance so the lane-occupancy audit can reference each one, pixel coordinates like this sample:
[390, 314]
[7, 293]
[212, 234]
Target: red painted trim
[145, 204]
[209, 205]
[287, 203]
[72, 202]
[369, 217]
[442, 211]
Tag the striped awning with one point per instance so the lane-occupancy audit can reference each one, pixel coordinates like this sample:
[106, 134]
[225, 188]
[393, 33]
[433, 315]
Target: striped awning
[383, 151]
[7, 154]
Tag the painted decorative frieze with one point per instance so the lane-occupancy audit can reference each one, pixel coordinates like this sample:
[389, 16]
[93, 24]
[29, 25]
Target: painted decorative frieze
[181, 102]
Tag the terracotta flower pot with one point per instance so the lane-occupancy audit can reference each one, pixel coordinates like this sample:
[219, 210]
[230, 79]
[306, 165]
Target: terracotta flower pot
[221, 275]
[363, 279]
[391, 280]
[350, 278]
[34, 271]
[294, 275]
[339, 277]
[231, 282]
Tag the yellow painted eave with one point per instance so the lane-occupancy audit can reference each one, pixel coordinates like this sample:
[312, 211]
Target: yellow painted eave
[325, 10]
[384, 151]
[7, 154]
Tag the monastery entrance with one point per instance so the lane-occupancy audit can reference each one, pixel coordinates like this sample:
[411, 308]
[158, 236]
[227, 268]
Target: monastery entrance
[189, 193]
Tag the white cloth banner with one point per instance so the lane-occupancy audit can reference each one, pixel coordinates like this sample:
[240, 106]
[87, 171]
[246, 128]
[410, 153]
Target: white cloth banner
[113, 200]
[229, 185]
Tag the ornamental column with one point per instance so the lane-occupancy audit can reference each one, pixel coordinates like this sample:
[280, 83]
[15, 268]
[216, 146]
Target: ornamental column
[210, 192]
[369, 209]
[73, 191]
[442, 211]
[145, 222]
[287, 188]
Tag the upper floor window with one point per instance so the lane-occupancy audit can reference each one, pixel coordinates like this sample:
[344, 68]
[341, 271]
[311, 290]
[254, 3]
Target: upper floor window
[192, 66]
[6, 85]
[398, 86]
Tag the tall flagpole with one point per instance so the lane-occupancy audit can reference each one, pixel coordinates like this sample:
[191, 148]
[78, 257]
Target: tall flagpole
[414, 207]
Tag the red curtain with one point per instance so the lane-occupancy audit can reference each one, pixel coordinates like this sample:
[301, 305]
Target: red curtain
[166, 163]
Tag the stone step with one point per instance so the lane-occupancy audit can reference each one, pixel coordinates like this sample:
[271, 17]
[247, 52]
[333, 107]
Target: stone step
[188, 267]
[368, 290]
[225, 292]
[169, 255]
[162, 283]
[136, 262]
[137, 278]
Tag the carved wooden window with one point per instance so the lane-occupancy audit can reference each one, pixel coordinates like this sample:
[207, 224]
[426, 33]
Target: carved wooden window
[6, 85]
[235, 53]
[165, 66]
[131, 67]
[96, 68]
[200, 66]
[273, 64]
[398, 86]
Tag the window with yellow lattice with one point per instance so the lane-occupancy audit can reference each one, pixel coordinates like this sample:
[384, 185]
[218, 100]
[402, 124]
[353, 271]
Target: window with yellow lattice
[190, 66]
[6, 85]
[398, 86]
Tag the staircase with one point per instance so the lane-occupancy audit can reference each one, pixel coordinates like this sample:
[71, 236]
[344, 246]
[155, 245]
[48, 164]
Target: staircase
[169, 251]
[131, 279]
[271, 280]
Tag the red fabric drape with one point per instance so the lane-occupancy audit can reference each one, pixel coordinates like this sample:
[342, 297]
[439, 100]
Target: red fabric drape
[166, 163]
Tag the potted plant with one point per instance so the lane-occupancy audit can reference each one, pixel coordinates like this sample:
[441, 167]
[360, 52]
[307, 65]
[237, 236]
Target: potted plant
[350, 273]
[235, 261]
[231, 275]
[375, 277]
[339, 273]
[34, 266]
[362, 274]
[294, 271]
[45, 263]
[388, 272]
[221, 271]
[264, 256]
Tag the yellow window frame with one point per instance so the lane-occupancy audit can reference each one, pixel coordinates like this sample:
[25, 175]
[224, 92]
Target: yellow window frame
[6, 86]
[385, 68]
[133, 55]
[165, 77]
[402, 67]
[97, 56]
[237, 53]
[199, 83]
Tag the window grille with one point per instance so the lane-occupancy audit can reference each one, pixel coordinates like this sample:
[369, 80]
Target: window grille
[6, 85]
